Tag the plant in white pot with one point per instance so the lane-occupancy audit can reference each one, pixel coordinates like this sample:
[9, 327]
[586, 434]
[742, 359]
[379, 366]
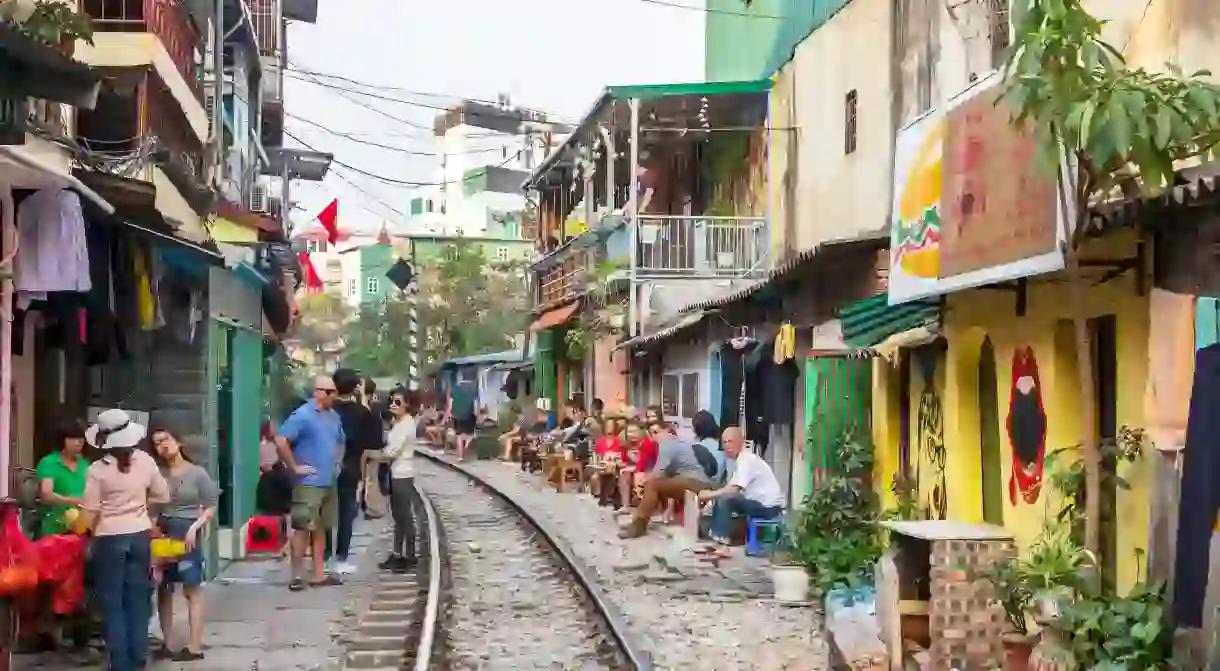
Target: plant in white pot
[789, 576]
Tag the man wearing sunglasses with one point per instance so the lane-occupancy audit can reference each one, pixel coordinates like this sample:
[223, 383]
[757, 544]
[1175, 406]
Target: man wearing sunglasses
[310, 443]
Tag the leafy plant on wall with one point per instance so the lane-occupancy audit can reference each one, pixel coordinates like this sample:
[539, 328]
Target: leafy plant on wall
[1120, 126]
[53, 22]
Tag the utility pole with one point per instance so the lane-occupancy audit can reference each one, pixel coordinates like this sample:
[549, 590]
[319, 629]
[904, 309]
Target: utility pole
[415, 329]
[218, 90]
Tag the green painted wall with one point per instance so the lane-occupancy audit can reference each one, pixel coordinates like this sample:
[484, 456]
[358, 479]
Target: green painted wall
[375, 261]
[745, 42]
[430, 249]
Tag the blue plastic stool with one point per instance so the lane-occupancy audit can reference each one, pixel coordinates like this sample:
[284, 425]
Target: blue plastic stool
[762, 535]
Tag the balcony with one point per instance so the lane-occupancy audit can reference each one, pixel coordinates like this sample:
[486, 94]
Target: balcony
[566, 280]
[167, 19]
[695, 247]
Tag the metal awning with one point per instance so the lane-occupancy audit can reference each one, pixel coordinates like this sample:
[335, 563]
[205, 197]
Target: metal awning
[555, 316]
[873, 320]
[685, 322]
[660, 99]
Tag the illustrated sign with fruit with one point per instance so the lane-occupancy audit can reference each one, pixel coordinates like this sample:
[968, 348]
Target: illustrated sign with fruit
[915, 242]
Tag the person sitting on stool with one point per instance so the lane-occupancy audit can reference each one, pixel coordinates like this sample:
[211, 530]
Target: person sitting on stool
[752, 491]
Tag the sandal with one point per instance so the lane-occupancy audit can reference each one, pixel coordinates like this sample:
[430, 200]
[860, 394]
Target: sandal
[328, 581]
[297, 585]
[162, 652]
[187, 655]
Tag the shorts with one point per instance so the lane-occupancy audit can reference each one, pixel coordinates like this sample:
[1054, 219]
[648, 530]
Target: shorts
[189, 568]
[314, 508]
[463, 426]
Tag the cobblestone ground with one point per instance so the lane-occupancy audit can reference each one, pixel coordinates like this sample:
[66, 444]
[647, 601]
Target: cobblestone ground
[513, 607]
[256, 624]
[689, 614]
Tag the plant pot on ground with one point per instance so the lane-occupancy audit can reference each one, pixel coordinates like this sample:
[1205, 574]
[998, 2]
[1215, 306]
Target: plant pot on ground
[789, 577]
[1017, 648]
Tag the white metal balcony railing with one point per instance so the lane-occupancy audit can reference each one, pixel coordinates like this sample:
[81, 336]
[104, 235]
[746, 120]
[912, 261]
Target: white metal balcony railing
[702, 246]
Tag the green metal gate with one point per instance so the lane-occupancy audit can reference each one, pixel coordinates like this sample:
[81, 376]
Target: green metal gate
[246, 415]
[838, 397]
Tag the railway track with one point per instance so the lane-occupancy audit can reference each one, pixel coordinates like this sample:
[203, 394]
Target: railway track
[493, 590]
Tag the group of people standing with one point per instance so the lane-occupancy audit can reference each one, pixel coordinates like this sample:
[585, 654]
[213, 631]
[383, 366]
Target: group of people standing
[141, 486]
[324, 449]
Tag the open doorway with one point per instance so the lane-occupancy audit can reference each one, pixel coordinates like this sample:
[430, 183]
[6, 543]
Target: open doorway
[989, 437]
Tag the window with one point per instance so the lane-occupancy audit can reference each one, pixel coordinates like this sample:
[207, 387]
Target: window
[351, 287]
[679, 395]
[502, 253]
[372, 286]
[849, 122]
[315, 246]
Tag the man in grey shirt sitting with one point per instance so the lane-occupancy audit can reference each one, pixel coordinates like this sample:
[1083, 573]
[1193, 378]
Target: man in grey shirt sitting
[681, 467]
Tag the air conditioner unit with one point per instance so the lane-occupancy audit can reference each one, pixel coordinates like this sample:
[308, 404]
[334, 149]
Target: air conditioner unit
[258, 199]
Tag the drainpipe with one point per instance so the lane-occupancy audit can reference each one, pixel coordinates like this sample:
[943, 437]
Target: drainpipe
[633, 201]
[609, 140]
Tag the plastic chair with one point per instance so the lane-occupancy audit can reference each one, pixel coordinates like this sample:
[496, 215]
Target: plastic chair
[762, 535]
[264, 534]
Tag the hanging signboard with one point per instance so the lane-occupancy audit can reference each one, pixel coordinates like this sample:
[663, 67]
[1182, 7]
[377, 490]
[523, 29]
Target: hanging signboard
[973, 204]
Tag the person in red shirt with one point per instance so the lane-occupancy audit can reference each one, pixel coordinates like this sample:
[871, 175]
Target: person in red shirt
[642, 453]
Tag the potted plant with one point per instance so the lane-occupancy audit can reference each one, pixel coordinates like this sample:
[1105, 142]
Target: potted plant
[58, 24]
[789, 577]
[1016, 598]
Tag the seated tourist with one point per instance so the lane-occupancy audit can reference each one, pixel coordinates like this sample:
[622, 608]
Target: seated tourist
[512, 438]
[681, 467]
[707, 434]
[752, 491]
[641, 457]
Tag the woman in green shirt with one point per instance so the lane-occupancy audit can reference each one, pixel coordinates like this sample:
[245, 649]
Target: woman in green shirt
[61, 478]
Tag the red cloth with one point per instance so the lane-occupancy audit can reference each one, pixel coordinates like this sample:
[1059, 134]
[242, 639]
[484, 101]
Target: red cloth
[329, 218]
[611, 445]
[313, 282]
[61, 562]
[649, 451]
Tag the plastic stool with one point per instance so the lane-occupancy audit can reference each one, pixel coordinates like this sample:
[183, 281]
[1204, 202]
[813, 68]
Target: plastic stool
[761, 535]
[264, 534]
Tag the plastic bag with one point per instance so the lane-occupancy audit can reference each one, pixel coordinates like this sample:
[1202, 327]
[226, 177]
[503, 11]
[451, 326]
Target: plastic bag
[851, 620]
[61, 563]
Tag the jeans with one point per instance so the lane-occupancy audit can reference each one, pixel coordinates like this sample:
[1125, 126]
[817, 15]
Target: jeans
[123, 564]
[727, 506]
[402, 498]
[349, 508]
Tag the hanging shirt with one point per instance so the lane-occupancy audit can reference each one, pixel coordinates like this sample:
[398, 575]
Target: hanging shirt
[52, 253]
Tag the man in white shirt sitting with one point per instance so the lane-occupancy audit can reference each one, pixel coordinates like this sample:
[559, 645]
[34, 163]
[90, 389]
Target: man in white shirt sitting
[752, 491]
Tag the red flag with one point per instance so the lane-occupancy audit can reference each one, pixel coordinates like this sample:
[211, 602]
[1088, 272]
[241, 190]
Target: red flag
[329, 218]
[313, 283]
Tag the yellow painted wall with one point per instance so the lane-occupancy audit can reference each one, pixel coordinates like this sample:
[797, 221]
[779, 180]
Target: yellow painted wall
[974, 315]
[172, 205]
[224, 230]
[130, 49]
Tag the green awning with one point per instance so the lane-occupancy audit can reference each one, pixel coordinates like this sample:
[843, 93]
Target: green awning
[647, 91]
[871, 321]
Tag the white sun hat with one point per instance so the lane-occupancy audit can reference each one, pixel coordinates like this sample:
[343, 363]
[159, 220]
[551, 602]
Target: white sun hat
[114, 428]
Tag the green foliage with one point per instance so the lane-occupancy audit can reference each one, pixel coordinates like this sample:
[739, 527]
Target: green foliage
[1082, 97]
[1113, 633]
[1012, 591]
[1066, 473]
[53, 22]
[835, 535]
[906, 499]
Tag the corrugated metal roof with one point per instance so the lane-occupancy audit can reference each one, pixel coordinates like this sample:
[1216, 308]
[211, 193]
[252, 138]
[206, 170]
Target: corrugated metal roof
[682, 324]
[791, 267]
[870, 321]
[492, 358]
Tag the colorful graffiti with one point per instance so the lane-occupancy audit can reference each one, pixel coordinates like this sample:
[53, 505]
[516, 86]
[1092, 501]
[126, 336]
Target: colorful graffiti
[1026, 426]
[930, 441]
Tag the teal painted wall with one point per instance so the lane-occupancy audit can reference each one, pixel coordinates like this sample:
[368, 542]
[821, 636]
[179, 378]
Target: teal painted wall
[753, 42]
[375, 261]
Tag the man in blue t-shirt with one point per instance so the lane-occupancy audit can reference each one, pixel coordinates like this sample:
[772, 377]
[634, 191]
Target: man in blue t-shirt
[310, 442]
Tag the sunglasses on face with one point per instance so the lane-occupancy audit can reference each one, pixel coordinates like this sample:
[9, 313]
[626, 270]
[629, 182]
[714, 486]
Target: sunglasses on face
[396, 403]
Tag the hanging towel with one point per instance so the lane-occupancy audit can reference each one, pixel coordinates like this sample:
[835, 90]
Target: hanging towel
[52, 252]
[145, 301]
[1171, 365]
[785, 343]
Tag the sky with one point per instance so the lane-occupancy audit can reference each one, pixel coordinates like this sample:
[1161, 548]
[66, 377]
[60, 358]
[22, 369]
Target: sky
[549, 55]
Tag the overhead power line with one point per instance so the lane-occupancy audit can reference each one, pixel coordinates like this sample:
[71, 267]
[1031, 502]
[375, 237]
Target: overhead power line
[712, 10]
[351, 137]
[400, 182]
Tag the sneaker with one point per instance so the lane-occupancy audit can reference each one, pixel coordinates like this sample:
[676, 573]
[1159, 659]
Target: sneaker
[390, 563]
[405, 564]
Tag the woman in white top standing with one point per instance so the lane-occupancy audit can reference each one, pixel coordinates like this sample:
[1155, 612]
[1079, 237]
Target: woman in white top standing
[399, 450]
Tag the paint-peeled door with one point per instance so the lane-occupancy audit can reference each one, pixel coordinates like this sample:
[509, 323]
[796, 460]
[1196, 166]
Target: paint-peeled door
[246, 397]
[838, 399]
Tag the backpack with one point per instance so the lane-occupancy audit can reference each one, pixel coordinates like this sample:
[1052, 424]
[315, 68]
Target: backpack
[707, 460]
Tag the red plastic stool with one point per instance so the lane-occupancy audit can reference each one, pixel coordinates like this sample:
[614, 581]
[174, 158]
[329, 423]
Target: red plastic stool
[265, 533]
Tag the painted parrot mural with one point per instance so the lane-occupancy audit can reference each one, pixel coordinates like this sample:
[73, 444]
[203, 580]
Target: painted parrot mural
[1026, 425]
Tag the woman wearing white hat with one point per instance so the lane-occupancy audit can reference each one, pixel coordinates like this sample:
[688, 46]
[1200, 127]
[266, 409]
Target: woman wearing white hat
[118, 490]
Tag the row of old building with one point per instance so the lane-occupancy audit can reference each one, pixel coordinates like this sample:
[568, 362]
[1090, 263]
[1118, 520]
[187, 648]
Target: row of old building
[777, 245]
[153, 274]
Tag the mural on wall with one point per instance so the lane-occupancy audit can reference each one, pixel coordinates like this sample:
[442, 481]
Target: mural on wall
[1026, 425]
[930, 441]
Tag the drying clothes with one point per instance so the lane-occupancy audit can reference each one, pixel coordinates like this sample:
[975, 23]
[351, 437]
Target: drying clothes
[1200, 494]
[732, 384]
[145, 301]
[758, 368]
[1171, 365]
[52, 253]
[785, 343]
